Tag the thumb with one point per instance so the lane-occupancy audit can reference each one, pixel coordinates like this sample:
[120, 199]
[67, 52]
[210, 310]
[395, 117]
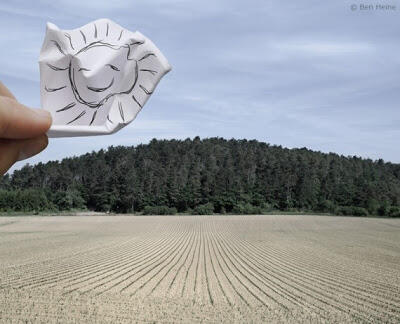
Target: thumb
[18, 121]
[17, 150]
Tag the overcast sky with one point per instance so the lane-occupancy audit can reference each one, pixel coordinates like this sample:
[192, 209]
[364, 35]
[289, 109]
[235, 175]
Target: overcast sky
[315, 74]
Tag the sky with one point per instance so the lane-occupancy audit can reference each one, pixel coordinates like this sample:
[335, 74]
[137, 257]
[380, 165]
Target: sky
[318, 74]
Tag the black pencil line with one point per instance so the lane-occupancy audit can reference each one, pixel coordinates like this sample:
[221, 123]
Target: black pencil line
[76, 118]
[137, 43]
[53, 89]
[108, 118]
[78, 97]
[121, 111]
[134, 98]
[70, 41]
[69, 106]
[129, 49]
[146, 56]
[150, 71]
[95, 31]
[145, 90]
[83, 36]
[107, 29]
[55, 68]
[93, 117]
[59, 47]
[120, 35]
[96, 44]
[113, 67]
[101, 89]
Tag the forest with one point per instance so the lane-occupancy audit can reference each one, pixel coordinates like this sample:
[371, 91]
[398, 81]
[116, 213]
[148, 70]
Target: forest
[206, 176]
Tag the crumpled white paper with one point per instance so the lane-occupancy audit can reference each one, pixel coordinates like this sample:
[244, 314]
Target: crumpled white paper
[95, 79]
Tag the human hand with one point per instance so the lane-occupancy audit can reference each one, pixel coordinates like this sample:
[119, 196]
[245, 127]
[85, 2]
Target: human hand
[22, 130]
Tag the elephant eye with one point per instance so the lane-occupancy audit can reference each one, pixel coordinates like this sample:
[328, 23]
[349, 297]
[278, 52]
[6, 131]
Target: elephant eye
[83, 69]
[113, 67]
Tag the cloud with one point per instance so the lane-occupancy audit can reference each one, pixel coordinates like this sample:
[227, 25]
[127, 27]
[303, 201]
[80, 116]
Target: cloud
[323, 48]
[292, 73]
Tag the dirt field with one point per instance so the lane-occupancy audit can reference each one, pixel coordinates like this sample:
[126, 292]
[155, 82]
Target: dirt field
[199, 269]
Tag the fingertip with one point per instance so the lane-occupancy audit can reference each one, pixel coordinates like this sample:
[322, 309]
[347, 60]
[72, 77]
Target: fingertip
[31, 147]
[45, 117]
[18, 121]
[45, 141]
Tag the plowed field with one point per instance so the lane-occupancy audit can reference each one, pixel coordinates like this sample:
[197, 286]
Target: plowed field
[199, 269]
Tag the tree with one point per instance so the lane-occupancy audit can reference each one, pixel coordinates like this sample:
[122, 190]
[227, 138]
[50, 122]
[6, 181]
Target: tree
[231, 175]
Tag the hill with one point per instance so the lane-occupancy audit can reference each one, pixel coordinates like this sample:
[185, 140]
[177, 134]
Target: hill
[204, 176]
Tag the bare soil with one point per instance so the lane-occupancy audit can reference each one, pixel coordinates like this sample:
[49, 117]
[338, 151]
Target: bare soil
[253, 269]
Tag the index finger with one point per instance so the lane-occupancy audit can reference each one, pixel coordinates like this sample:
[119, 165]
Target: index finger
[18, 121]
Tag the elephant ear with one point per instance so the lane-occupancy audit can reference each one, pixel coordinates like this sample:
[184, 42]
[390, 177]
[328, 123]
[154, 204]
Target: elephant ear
[152, 66]
[55, 46]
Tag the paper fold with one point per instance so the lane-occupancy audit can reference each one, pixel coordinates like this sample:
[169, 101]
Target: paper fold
[96, 79]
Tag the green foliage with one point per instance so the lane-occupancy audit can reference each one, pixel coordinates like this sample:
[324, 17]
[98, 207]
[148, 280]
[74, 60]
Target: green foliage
[246, 209]
[394, 211]
[384, 208]
[326, 206]
[28, 200]
[360, 211]
[204, 209]
[352, 211]
[206, 176]
[159, 210]
[67, 200]
[373, 206]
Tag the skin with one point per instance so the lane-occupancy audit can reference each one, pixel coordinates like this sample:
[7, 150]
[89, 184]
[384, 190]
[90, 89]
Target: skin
[22, 130]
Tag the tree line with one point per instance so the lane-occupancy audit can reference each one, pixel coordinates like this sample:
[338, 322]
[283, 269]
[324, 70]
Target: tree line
[204, 176]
